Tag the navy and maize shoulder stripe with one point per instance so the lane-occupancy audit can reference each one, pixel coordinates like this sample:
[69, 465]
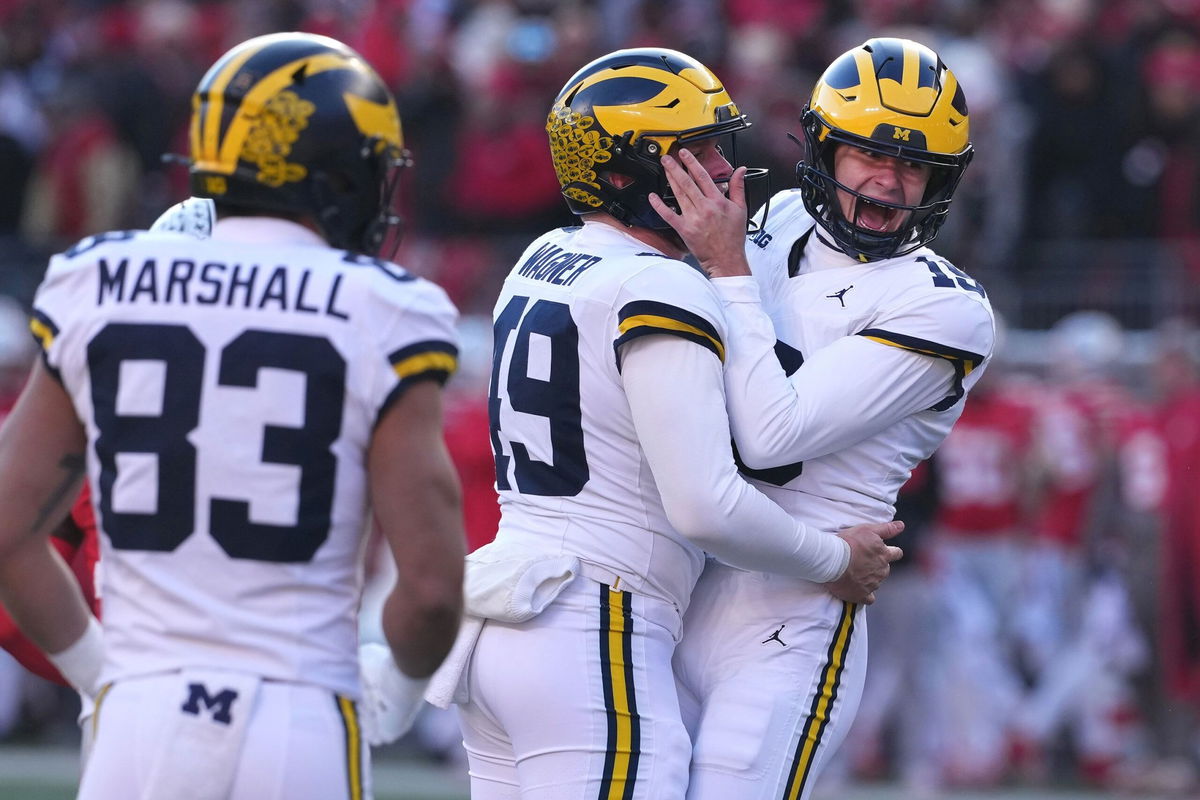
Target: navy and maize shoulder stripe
[964, 361]
[646, 317]
[44, 332]
[431, 359]
[43, 329]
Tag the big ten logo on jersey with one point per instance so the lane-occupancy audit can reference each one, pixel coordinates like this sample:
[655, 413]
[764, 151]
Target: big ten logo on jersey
[219, 705]
[760, 238]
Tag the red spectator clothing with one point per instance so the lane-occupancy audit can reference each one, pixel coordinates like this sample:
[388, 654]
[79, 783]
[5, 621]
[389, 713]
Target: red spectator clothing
[981, 466]
[795, 17]
[1141, 457]
[1179, 625]
[384, 26]
[81, 556]
[1075, 433]
[63, 164]
[468, 438]
[503, 173]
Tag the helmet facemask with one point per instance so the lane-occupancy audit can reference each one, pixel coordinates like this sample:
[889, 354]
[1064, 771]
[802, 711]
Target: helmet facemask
[355, 218]
[894, 98]
[642, 162]
[819, 189]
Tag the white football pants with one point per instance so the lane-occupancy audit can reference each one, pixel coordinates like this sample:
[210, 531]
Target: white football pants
[770, 671]
[208, 734]
[578, 703]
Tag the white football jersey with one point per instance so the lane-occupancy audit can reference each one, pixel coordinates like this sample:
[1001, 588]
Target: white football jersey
[229, 388]
[887, 405]
[571, 474]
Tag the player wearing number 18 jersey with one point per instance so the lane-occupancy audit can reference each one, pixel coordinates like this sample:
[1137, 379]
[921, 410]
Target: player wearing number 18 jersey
[237, 402]
[879, 341]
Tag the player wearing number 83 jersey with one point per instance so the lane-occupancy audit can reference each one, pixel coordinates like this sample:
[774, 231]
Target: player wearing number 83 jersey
[230, 387]
[237, 403]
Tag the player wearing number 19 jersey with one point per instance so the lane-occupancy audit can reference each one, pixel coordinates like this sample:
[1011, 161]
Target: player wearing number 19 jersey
[879, 341]
[613, 458]
[237, 402]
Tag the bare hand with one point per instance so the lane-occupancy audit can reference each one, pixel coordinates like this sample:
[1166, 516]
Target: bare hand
[870, 561]
[711, 223]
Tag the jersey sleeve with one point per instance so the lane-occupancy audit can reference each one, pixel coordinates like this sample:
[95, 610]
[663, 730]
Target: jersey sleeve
[672, 299]
[64, 291]
[842, 394]
[686, 446]
[413, 323]
[948, 324]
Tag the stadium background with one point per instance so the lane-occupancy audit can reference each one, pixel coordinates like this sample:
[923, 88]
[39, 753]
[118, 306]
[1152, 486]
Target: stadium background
[1084, 196]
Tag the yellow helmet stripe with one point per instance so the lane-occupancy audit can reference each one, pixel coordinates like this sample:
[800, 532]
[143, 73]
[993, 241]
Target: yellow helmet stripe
[271, 84]
[650, 117]
[654, 74]
[215, 93]
[910, 75]
[375, 119]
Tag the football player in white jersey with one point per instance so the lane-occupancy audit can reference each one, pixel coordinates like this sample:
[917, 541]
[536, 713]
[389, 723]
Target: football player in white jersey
[613, 461]
[879, 340]
[237, 402]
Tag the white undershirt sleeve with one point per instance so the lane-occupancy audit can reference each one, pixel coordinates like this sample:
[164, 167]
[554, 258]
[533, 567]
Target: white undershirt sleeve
[844, 393]
[676, 396]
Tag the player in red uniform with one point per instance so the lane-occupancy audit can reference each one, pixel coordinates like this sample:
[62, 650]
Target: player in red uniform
[986, 470]
[1105, 477]
[76, 542]
[1177, 373]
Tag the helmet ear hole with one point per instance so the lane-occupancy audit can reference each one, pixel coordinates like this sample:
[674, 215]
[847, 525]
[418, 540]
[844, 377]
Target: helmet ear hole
[338, 182]
[618, 180]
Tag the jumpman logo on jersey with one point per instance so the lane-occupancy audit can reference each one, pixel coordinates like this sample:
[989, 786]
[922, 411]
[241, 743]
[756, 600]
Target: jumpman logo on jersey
[774, 637]
[840, 295]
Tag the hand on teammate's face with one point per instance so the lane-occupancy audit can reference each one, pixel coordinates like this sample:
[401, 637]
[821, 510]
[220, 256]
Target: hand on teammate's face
[711, 222]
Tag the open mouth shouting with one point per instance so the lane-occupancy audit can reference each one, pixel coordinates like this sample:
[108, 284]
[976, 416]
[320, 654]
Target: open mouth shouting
[873, 216]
